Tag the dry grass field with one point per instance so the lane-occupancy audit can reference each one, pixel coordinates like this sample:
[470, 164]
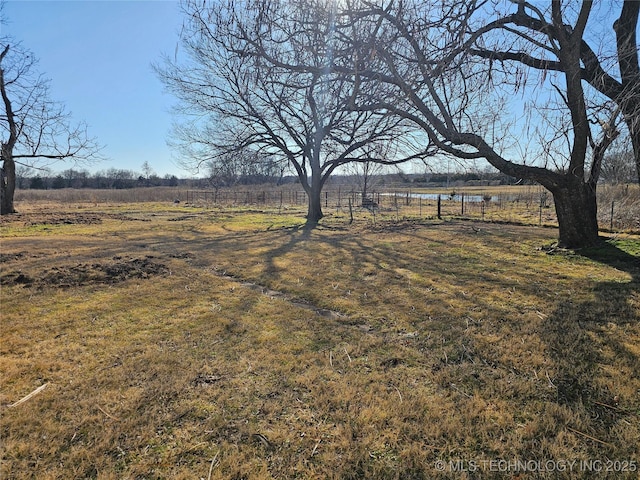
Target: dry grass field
[229, 343]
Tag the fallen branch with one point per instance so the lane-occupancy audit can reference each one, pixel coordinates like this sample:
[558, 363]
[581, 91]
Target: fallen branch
[589, 437]
[315, 448]
[31, 395]
[551, 384]
[610, 406]
[213, 464]
[107, 414]
[348, 356]
[399, 394]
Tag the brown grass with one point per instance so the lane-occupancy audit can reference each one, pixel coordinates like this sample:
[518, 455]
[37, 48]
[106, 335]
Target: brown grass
[188, 343]
[99, 196]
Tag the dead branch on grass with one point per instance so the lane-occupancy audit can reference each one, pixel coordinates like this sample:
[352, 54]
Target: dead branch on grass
[31, 395]
[108, 414]
[590, 437]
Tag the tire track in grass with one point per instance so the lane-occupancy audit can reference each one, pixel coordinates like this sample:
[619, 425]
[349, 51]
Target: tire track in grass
[276, 294]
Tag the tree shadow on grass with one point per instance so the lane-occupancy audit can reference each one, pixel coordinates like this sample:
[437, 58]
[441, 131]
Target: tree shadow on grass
[297, 234]
[587, 338]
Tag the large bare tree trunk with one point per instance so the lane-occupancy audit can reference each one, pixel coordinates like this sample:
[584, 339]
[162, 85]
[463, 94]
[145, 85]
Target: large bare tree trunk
[576, 209]
[634, 132]
[8, 171]
[626, 28]
[314, 211]
[7, 187]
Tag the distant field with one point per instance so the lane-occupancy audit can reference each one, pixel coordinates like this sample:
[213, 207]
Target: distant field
[230, 342]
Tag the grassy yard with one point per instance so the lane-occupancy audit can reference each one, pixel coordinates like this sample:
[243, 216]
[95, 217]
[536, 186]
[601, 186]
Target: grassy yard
[185, 343]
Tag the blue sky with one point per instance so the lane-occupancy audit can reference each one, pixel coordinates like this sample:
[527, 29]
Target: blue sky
[98, 55]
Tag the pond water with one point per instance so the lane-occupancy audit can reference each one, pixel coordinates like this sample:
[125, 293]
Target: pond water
[434, 196]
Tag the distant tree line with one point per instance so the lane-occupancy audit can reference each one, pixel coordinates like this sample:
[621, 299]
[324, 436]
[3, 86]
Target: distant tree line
[443, 178]
[618, 168]
[112, 178]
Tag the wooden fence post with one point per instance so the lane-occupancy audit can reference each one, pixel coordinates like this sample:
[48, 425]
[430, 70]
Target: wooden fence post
[611, 224]
[540, 215]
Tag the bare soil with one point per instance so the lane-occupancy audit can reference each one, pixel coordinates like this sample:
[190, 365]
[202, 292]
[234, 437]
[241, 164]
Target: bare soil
[115, 271]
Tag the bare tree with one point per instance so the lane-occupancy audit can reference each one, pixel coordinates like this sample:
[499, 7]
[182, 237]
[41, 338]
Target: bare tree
[35, 129]
[223, 172]
[612, 70]
[618, 167]
[259, 77]
[480, 81]
[365, 174]
[147, 172]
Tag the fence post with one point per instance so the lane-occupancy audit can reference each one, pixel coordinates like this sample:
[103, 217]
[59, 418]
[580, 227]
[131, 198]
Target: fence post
[462, 203]
[326, 199]
[439, 209]
[611, 224]
[540, 215]
[420, 202]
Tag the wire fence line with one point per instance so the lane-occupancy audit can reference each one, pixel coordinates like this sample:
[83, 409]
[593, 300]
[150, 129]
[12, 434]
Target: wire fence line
[341, 197]
[522, 207]
[619, 210]
[618, 206]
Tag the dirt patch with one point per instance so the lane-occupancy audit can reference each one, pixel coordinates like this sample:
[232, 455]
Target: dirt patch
[390, 226]
[10, 257]
[112, 272]
[182, 218]
[71, 218]
[183, 255]
[65, 219]
[206, 379]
